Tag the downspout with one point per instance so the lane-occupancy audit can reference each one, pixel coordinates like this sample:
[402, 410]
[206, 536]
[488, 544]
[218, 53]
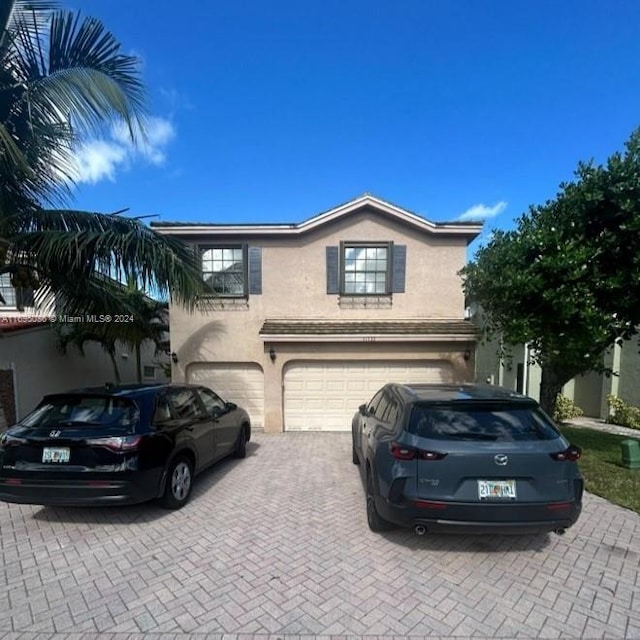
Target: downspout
[525, 370]
[12, 366]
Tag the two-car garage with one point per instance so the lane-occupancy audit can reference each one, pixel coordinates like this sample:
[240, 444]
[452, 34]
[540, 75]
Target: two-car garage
[318, 395]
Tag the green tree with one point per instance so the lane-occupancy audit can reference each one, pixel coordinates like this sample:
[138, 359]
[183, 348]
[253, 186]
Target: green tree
[144, 321]
[62, 78]
[78, 335]
[567, 278]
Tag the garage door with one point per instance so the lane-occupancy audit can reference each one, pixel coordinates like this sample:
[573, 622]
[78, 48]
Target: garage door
[239, 383]
[323, 396]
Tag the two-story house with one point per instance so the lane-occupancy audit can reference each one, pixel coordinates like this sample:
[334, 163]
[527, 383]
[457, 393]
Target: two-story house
[306, 321]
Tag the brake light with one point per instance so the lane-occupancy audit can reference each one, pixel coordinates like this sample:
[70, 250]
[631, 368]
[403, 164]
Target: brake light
[116, 443]
[402, 452]
[570, 454]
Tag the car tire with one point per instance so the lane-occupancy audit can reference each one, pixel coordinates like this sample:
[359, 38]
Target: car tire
[179, 484]
[375, 522]
[354, 453]
[240, 450]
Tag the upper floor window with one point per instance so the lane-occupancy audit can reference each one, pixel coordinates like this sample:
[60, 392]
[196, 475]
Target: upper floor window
[7, 291]
[224, 270]
[365, 269]
[359, 269]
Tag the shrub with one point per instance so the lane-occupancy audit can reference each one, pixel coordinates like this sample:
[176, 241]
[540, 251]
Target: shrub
[566, 409]
[623, 414]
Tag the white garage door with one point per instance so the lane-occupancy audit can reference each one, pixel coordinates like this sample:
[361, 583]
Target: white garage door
[239, 383]
[323, 396]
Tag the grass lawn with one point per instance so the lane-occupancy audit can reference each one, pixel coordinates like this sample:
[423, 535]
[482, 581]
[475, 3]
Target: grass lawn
[601, 466]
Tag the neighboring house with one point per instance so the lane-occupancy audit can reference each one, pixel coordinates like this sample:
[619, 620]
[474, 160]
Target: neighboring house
[589, 391]
[307, 321]
[31, 365]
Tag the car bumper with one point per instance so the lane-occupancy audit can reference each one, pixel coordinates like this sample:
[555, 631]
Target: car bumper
[137, 488]
[448, 517]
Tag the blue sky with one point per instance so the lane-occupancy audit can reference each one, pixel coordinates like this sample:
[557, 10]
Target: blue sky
[274, 111]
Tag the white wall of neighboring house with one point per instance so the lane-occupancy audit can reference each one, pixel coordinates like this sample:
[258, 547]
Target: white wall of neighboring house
[40, 368]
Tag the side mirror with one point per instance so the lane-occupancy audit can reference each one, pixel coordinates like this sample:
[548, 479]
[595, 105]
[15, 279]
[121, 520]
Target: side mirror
[230, 406]
[363, 409]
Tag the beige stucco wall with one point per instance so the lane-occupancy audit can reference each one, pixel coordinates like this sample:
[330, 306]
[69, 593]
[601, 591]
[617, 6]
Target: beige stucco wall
[294, 286]
[40, 368]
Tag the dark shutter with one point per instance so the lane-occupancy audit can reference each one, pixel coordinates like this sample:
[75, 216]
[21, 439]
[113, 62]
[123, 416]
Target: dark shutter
[333, 270]
[398, 268]
[255, 271]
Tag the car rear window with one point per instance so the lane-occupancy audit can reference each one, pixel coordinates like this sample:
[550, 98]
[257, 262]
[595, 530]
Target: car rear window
[481, 422]
[75, 410]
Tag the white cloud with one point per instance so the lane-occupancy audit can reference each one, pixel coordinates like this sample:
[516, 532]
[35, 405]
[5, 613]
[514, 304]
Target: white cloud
[482, 212]
[101, 159]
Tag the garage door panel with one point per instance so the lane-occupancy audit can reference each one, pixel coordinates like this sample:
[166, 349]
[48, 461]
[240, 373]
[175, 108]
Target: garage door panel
[323, 396]
[239, 383]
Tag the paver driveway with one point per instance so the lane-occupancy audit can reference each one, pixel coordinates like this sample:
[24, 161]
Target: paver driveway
[278, 544]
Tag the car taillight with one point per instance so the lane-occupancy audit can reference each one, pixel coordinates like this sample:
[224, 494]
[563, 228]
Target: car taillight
[116, 443]
[570, 454]
[402, 452]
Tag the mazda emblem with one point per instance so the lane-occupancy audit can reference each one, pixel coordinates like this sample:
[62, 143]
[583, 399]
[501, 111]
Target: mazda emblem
[54, 434]
[501, 459]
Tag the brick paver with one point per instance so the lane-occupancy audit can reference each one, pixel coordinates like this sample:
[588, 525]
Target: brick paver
[277, 546]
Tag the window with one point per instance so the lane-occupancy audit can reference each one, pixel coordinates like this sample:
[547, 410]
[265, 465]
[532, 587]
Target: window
[75, 410]
[163, 410]
[372, 407]
[211, 401]
[7, 291]
[224, 270]
[149, 372]
[484, 422]
[391, 412]
[365, 269]
[185, 404]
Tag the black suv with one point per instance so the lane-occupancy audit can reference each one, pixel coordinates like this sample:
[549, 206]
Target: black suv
[119, 445]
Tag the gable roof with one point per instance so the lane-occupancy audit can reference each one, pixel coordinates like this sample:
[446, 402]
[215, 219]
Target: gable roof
[470, 230]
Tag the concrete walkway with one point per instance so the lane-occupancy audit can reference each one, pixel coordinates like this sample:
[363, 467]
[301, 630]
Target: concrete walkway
[601, 425]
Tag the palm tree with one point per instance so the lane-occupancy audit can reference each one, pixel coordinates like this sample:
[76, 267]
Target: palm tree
[147, 321]
[80, 334]
[63, 78]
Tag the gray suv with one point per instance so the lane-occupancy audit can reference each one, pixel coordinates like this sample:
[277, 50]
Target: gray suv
[469, 458]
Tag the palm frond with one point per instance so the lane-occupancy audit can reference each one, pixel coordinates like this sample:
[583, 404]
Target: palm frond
[80, 244]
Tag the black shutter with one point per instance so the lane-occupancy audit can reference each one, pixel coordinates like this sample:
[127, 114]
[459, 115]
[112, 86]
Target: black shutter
[255, 271]
[333, 270]
[399, 268]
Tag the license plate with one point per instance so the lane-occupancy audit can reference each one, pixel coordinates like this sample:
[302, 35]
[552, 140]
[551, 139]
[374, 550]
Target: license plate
[497, 489]
[56, 454]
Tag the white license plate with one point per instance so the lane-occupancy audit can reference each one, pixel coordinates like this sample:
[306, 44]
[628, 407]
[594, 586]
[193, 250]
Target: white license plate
[497, 489]
[56, 454]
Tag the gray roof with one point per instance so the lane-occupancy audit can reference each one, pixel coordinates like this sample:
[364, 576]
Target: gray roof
[369, 327]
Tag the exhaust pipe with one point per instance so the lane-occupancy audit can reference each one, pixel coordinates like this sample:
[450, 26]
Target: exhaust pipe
[559, 532]
[420, 529]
